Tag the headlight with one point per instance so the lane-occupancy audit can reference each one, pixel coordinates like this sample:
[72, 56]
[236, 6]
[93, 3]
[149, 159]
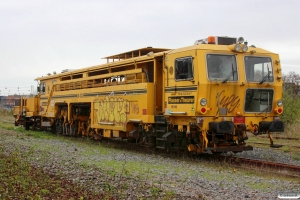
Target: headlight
[237, 47]
[240, 40]
[203, 102]
[279, 102]
[245, 48]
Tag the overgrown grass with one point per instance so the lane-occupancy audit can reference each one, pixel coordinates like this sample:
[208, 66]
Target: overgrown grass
[19, 180]
[289, 146]
[291, 130]
[6, 112]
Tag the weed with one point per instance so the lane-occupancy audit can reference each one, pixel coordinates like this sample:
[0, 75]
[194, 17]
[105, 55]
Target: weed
[44, 192]
[286, 149]
[258, 185]
[154, 191]
[296, 156]
[125, 186]
[19, 180]
[170, 194]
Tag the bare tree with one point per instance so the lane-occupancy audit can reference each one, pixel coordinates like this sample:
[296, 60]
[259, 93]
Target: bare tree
[291, 82]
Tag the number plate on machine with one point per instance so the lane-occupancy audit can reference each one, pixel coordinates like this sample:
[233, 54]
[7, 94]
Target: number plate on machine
[239, 120]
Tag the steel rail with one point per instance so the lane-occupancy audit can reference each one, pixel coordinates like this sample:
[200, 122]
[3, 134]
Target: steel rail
[269, 144]
[280, 137]
[261, 163]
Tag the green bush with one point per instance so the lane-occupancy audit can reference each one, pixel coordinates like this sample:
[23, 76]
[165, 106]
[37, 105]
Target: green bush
[291, 103]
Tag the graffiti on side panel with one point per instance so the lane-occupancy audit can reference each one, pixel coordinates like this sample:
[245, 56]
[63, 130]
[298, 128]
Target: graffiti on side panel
[135, 108]
[114, 110]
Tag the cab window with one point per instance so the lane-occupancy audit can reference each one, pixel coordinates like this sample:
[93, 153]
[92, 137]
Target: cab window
[221, 67]
[258, 100]
[184, 68]
[259, 69]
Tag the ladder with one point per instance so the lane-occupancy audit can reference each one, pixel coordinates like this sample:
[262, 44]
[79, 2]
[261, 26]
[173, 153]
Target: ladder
[49, 97]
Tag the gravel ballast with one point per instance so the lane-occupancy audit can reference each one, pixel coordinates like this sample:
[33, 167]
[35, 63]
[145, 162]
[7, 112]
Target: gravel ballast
[133, 175]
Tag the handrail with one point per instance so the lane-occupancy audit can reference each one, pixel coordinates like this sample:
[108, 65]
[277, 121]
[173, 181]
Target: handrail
[135, 120]
[182, 113]
[108, 75]
[49, 97]
[106, 123]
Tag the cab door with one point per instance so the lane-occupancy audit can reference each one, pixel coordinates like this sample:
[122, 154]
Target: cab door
[180, 83]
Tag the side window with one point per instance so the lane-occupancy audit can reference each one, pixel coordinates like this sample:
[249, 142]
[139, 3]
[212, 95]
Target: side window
[184, 68]
[43, 88]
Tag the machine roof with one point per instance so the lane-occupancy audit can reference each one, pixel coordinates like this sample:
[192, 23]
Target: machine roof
[134, 53]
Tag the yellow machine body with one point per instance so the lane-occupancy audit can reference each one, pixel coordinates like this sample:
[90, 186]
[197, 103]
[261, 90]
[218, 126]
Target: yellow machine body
[203, 97]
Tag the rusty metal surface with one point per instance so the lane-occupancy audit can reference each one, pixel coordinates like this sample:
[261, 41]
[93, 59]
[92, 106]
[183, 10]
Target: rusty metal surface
[287, 145]
[280, 138]
[261, 163]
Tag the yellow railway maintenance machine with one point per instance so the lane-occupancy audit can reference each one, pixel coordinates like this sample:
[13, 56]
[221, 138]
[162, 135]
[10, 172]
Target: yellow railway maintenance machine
[200, 98]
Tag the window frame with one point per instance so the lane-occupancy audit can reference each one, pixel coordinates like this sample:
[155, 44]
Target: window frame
[43, 85]
[253, 81]
[192, 68]
[262, 89]
[221, 79]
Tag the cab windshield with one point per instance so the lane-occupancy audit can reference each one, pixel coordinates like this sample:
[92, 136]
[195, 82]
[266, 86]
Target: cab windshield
[259, 69]
[221, 67]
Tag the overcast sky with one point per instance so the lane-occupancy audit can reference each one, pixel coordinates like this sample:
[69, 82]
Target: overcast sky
[41, 36]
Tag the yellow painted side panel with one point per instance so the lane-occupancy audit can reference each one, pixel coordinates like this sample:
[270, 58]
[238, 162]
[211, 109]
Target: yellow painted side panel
[107, 133]
[116, 133]
[17, 110]
[114, 112]
[29, 114]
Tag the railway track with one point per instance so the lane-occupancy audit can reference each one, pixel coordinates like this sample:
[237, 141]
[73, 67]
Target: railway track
[233, 160]
[268, 144]
[279, 168]
[244, 163]
[280, 138]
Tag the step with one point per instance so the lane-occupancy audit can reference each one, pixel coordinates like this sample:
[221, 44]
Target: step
[160, 122]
